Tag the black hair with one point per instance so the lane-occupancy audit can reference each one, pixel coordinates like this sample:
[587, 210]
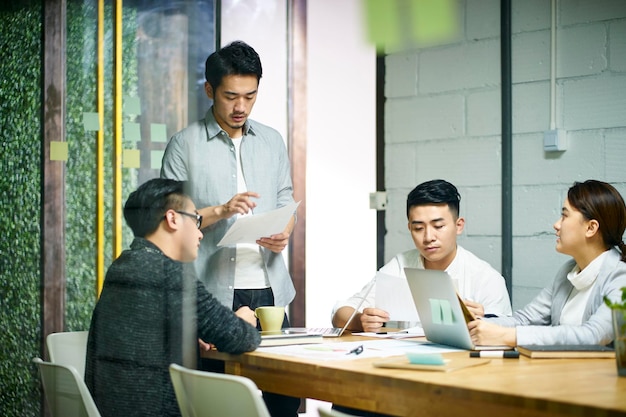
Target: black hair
[236, 58]
[146, 206]
[600, 201]
[435, 192]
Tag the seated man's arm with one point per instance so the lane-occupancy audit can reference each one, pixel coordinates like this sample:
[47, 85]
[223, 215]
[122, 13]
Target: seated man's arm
[370, 320]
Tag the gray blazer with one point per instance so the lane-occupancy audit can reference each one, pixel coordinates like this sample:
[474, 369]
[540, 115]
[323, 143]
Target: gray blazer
[538, 322]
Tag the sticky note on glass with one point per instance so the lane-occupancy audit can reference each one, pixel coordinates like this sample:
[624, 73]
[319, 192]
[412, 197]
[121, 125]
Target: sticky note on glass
[158, 132]
[58, 151]
[130, 158]
[155, 159]
[132, 132]
[131, 105]
[91, 122]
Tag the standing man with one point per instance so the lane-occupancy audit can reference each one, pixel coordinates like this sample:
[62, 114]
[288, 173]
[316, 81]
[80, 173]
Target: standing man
[236, 167]
[137, 325]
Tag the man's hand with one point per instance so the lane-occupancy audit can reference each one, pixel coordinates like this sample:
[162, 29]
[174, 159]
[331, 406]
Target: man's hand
[372, 319]
[240, 204]
[275, 243]
[204, 345]
[476, 308]
[484, 333]
[245, 313]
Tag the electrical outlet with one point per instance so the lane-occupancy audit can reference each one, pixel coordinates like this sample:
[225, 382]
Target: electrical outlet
[378, 200]
[555, 140]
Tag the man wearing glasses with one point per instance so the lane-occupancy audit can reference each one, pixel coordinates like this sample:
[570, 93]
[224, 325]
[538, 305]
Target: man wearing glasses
[137, 325]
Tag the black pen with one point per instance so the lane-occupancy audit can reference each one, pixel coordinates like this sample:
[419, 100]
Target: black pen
[513, 354]
[357, 350]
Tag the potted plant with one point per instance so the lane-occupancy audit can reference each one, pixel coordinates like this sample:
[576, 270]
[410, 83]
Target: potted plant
[618, 309]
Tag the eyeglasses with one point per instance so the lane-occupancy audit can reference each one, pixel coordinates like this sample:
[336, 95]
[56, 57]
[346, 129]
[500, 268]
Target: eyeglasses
[192, 215]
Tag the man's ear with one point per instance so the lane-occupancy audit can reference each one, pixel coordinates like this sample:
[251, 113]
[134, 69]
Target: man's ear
[460, 225]
[171, 220]
[208, 89]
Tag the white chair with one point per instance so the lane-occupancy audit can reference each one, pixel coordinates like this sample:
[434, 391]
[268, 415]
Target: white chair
[65, 391]
[68, 348]
[209, 394]
[331, 413]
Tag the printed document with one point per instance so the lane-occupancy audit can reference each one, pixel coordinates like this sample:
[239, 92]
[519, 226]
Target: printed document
[249, 229]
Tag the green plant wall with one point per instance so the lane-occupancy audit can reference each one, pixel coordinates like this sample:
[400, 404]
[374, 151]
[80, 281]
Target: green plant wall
[20, 154]
[20, 183]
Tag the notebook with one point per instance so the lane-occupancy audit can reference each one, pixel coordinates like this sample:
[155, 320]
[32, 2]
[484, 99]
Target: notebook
[443, 315]
[333, 331]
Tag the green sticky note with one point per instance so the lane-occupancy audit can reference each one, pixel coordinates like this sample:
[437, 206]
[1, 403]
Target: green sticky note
[131, 158]
[441, 311]
[158, 132]
[435, 310]
[155, 159]
[91, 122]
[433, 20]
[447, 317]
[382, 23]
[132, 132]
[131, 105]
[58, 151]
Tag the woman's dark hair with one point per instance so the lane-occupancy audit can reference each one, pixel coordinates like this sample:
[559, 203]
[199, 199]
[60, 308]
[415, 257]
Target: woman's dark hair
[236, 58]
[600, 201]
[435, 192]
[146, 206]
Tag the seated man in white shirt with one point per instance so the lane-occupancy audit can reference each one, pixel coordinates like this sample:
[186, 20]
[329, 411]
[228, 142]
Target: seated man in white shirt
[434, 223]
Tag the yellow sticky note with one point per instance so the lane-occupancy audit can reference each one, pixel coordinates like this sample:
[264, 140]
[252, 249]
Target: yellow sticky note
[434, 20]
[131, 158]
[91, 122]
[132, 132]
[131, 105]
[155, 159]
[158, 132]
[58, 151]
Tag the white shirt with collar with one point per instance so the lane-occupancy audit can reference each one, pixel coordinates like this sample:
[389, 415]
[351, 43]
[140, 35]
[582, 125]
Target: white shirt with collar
[476, 280]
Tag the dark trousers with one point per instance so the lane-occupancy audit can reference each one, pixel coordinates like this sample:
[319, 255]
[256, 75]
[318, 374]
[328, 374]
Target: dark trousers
[277, 404]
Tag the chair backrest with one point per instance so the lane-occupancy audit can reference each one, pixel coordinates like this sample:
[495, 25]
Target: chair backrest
[65, 391]
[209, 394]
[331, 413]
[68, 348]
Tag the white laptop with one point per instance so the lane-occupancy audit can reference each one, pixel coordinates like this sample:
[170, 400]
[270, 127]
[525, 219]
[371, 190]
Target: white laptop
[443, 315]
[332, 331]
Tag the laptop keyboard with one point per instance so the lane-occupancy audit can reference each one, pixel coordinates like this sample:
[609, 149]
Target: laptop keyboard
[324, 330]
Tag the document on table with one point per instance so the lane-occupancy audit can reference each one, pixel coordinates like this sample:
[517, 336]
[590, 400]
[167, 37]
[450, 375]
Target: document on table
[249, 229]
[394, 296]
[370, 349]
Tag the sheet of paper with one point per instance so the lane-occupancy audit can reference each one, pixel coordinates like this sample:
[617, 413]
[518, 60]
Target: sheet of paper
[371, 349]
[394, 296]
[249, 229]
[402, 334]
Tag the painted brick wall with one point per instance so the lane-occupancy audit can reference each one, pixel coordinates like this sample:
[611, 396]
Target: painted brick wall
[443, 121]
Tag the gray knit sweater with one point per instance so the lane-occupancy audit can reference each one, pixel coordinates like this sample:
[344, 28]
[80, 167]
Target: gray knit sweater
[136, 332]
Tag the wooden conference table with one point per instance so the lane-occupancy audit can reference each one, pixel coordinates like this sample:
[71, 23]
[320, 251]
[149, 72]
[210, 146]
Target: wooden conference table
[503, 387]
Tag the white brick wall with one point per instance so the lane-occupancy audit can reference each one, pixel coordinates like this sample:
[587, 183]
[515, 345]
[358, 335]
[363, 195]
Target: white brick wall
[443, 121]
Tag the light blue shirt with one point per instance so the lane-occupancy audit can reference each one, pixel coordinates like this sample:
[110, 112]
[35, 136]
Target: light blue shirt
[204, 155]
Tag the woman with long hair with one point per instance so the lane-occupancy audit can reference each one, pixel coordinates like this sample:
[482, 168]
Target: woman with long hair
[572, 309]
